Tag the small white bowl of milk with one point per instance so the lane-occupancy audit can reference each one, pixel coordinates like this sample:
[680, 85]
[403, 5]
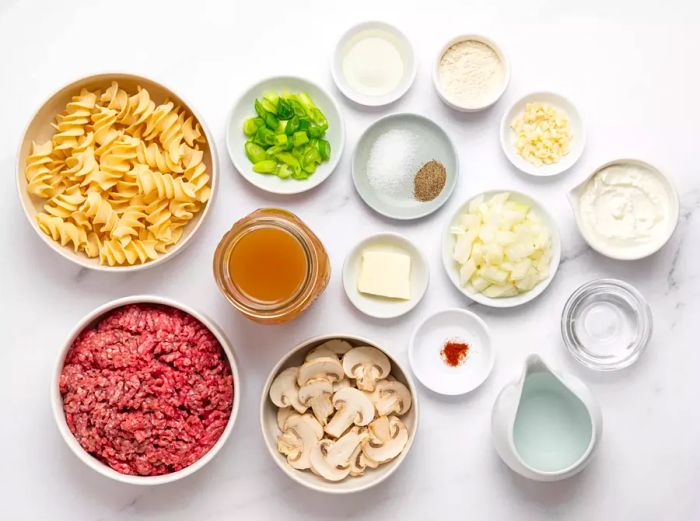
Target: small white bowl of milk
[373, 64]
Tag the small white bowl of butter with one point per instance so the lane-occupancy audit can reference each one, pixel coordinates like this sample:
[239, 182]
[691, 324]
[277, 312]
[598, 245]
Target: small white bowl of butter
[385, 275]
[373, 64]
[626, 209]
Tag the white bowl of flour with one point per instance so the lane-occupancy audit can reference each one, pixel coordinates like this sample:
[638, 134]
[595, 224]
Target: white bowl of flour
[471, 73]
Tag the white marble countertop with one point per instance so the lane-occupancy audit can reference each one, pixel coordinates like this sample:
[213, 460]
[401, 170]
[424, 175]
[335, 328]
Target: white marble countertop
[632, 69]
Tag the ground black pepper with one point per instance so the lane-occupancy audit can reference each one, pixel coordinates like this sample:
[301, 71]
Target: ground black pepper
[429, 181]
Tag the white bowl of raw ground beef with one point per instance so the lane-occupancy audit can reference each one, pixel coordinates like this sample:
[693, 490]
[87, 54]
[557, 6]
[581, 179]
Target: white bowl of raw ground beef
[146, 390]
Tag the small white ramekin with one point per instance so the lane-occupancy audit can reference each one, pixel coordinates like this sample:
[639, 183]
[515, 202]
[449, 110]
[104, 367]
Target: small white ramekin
[57, 400]
[404, 47]
[436, 73]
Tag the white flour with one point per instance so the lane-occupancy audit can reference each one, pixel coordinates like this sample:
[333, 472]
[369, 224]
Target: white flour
[471, 73]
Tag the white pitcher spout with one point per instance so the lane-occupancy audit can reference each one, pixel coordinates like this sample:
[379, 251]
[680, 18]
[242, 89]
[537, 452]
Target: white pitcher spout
[534, 363]
[574, 195]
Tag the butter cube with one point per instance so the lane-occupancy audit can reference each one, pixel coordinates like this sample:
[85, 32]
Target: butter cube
[386, 274]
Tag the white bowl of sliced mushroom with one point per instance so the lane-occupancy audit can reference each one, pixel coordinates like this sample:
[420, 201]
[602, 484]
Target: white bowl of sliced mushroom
[338, 414]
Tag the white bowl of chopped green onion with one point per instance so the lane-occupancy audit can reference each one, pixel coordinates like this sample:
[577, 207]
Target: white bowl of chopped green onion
[285, 135]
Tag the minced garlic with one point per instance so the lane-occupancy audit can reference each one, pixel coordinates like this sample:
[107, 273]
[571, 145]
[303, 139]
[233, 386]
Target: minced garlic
[542, 134]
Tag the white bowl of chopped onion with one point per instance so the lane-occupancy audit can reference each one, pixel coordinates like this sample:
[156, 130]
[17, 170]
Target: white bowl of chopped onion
[534, 151]
[501, 248]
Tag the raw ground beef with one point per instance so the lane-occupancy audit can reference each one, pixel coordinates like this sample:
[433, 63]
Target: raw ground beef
[148, 390]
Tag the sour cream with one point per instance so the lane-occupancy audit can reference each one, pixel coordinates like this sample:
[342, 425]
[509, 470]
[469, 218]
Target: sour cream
[626, 210]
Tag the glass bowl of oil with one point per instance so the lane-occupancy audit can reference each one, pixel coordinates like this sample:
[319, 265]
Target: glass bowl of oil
[606, 324]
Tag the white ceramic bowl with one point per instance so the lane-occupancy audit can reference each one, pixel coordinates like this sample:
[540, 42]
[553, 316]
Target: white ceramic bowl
[430, 337]
[40, 129]
[57, 400]
[636, 253]
[436, 73]
[379, 307]
[270, 430]
[244, 109]
[434, 144]
[578, 140]
[402, 44]
[505, 302]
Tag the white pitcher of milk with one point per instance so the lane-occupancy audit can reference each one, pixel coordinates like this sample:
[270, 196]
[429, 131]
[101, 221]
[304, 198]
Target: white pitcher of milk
[546, 424]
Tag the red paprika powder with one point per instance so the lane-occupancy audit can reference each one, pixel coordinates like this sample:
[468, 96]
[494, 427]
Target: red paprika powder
[454, 352]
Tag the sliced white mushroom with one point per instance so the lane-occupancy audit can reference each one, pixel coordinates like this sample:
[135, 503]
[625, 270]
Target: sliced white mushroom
[388, 437]
[359, 462]
[367, 365]
[341, 451]
[379, 430]
[316, 393]
[324, 468]
[301, 434]
[343, 382]
[332, 348]
[284, 390]
[283, 414]
[323, 367]
[353, 407]
[391, 396]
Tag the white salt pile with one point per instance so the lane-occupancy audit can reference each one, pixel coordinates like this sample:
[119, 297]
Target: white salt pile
[392, 163]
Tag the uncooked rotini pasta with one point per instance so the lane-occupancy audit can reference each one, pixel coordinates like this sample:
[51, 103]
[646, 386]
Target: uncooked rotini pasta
[121, 176]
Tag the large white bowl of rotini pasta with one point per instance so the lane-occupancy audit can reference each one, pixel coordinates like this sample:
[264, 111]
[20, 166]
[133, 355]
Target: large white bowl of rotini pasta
[116, 172]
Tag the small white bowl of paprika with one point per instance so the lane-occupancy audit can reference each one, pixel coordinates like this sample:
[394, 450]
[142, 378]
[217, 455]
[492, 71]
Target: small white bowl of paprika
[450, 352]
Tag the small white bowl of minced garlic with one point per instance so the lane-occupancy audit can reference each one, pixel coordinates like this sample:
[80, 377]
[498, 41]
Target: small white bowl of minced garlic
[542, 134]
[471, 73]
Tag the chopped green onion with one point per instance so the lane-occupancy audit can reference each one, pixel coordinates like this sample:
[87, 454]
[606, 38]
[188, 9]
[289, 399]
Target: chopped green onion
[250, 126]
[297, 107]
[284, 109]
[268, 105]
[318, 118]
[306, 101]
[300, 138]
[292, 126]
[254, 152]
[286, 137]
[271, 96]
[284, 171]
[324, 148]
[267, 166]
[259, 109]
[264, 137]
[316, 131]
[288, 159]
[271, 121]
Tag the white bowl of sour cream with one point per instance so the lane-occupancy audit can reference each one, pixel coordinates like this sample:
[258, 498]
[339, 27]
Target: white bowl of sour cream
[626, 209]
[373, 64]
